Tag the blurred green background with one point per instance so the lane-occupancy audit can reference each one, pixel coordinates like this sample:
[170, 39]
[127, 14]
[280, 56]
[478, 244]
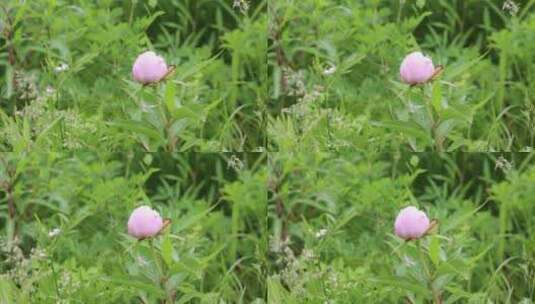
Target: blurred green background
[71, 61]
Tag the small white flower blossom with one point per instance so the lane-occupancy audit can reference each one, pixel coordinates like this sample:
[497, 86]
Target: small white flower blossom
[54, 232]
[50, 90]
[235, 163]
[321, 233]
[61, 68]
[330, 70]
[511, 7]
[242, 5]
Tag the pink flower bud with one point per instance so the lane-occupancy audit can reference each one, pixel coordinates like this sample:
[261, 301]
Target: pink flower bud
[411, 223]
[144, 222]
[416, 68]
[149, 68]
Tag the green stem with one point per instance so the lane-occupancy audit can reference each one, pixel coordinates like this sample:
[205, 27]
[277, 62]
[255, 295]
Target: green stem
[401, 3]
[438, 142]
[132, 7]
[422, 259]
[502, 80]
[161, 278]
[156, 258]
[235, 230]
[55, 278]
[429, 276]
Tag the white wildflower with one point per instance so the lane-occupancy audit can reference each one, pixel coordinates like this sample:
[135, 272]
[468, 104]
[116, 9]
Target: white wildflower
[54, 232]
[330, 70]
[321, 233]
[50, 90]
[235, 163]
[61, 68]
[511, 7]
[242, 5]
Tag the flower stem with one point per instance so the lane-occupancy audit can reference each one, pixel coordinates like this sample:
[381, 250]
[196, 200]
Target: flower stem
[429, 276]
[156, 259]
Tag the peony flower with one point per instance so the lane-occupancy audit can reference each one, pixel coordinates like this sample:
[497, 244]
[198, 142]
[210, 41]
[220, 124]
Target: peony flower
[149, 68]
[411, 223]
[144, 222]
[416, 69]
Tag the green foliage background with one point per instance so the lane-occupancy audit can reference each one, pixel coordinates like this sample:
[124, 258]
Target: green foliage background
[332, 215]
[281, 150]
[334, 73]
[212, 103]
[212, 252]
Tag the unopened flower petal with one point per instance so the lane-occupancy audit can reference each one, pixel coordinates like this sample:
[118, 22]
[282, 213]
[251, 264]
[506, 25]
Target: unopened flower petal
[149, 68]
[411, 223]
[416, 69]
[144, 222]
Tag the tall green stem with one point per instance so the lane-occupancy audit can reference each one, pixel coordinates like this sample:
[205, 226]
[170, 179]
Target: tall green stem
[156, 258]
[429, 276]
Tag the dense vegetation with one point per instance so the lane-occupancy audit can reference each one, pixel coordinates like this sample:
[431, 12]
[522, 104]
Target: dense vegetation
[66, 75]
[264, 151]
[334, 73]
[65, 241]
[332, 223]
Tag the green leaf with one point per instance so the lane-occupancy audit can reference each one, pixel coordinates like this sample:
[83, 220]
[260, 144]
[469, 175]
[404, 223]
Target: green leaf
[434, 250]
[403, 284]
[129, 281]
[445, 127]
[436, 99]
[139, 128]
[170, 92]
[408, 129]
[167, 251]
[420, 3]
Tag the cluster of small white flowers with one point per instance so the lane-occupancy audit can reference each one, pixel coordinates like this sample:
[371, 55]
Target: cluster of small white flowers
[235, 163]
[321, 233]
[242, 5]
[40, 119]
[276, 246]
[61, 68]
[511, 7]
[26, 85]
[503, 164]
[330, 70]
[294, 81]
[54, 232]
[38, 254]
[305, 103]
[298, 271]
[75, 125]
[50, 90]
[21, 269]
[67, 285]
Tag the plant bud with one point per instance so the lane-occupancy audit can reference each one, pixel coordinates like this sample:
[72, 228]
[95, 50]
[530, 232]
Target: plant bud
[416, 69]
[149, 68]
[411, 223]
[144, 222]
